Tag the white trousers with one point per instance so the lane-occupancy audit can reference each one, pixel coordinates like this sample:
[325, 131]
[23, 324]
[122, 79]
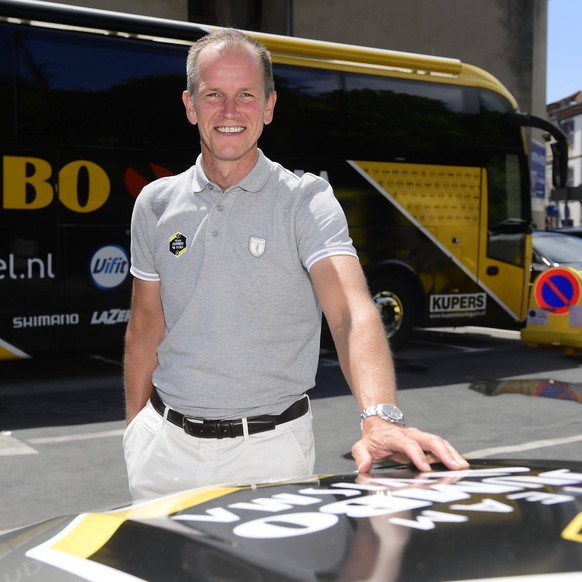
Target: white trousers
[162, 459]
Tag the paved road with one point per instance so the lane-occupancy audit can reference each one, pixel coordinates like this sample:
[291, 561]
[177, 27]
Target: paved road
[61, 420]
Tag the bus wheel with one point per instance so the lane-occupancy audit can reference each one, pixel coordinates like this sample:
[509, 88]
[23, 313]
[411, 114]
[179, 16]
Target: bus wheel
[394, 303]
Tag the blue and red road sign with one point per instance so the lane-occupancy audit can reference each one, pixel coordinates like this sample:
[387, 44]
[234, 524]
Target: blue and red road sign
[557, 289]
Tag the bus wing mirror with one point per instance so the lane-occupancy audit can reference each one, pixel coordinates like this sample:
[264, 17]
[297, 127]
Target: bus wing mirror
[559, 164]
[559, 147]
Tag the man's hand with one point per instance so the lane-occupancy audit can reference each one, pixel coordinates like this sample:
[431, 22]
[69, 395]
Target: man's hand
[382, 441]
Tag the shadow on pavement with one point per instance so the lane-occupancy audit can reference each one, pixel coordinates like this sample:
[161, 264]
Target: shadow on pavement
[85, 389]
[60, 391]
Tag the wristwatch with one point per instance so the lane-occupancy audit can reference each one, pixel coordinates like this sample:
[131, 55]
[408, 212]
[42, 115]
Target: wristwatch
[387, 412]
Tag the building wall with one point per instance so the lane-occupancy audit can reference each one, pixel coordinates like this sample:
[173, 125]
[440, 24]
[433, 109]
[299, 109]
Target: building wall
[567, 113]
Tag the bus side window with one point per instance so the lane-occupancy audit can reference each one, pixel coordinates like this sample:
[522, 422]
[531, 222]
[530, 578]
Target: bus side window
[7, 244]
[6, 91]
[308, 117]
[414, 121]
[77, 89]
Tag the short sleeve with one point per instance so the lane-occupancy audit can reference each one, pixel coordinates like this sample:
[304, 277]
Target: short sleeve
[321, 226]
[142, 257]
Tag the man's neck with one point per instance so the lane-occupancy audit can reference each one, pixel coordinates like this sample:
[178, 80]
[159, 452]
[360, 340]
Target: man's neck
[228, 173]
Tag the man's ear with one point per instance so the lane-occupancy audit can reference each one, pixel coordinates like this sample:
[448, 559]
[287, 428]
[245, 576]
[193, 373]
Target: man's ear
[270, 108]
[189, 106]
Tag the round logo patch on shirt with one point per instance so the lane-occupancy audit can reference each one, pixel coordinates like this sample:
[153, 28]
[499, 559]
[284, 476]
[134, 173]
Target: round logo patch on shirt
[178, 244]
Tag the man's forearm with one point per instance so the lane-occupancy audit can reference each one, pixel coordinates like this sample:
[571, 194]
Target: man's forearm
[140, 361]
[366, 359]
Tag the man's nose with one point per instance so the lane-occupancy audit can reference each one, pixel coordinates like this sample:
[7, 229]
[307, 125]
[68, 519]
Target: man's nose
[230, 108]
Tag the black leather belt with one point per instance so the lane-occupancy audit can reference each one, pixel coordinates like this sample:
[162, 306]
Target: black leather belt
[220, 429]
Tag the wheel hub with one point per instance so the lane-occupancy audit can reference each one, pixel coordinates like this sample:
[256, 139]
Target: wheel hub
[391, 311]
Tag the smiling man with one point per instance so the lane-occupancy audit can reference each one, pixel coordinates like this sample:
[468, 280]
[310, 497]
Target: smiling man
[233, 262]
[231, 106]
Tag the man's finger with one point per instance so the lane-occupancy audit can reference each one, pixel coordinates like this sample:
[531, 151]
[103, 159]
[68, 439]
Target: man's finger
[439, 449]
[362, 457]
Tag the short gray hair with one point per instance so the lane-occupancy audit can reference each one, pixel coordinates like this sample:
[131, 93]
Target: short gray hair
[232, 39]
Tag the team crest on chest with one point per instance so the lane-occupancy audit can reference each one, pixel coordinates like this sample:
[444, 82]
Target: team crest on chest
[257, 246]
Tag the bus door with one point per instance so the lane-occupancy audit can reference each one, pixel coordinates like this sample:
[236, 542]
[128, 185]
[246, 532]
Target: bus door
[503, 239]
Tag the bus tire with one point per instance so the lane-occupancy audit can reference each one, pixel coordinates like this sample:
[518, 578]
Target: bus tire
[395, 303]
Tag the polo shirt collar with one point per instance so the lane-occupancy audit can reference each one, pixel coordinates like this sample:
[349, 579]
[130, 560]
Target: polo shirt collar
[252, 182]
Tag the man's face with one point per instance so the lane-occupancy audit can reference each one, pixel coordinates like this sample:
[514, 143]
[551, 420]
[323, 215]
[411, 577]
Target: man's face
[230, 107]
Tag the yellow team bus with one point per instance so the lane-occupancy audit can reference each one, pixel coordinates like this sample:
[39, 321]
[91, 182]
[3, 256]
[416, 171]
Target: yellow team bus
[427, 156]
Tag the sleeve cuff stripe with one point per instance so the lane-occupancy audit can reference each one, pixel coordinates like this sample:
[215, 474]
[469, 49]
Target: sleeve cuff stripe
[329, 252]
[143, 275]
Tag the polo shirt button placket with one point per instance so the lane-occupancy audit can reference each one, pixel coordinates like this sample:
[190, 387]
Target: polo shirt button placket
[216, 221]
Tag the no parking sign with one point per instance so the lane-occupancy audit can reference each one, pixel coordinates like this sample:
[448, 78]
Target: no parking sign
[555, 312]
[557, 289]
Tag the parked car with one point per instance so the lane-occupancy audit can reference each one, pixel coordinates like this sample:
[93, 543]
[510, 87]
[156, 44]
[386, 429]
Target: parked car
[553, 249]
[498, 519]
[571, 230]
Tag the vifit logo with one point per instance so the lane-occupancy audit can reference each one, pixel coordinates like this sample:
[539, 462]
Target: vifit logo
[109, 266]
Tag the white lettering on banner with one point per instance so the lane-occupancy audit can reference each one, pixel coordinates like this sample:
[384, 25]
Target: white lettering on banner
[485, 488]
[26, 267]
[563, 476]
[372, 506]
[458, 302]
[435, 494]
[214, 515]
[110, 317]
[280, 502]
[525, 481]
[53, 320]
[345, 492]
[455, 314]
[487, 506]
[493, 472]
[383, 484]
[285, 526]
[389, 499]
[427, 520]
[538, 158]
[540, 496]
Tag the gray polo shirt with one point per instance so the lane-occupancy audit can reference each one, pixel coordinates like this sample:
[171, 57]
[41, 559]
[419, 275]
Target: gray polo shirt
[242, 320]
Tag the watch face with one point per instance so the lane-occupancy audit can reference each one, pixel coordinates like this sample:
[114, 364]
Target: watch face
[391, 412]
